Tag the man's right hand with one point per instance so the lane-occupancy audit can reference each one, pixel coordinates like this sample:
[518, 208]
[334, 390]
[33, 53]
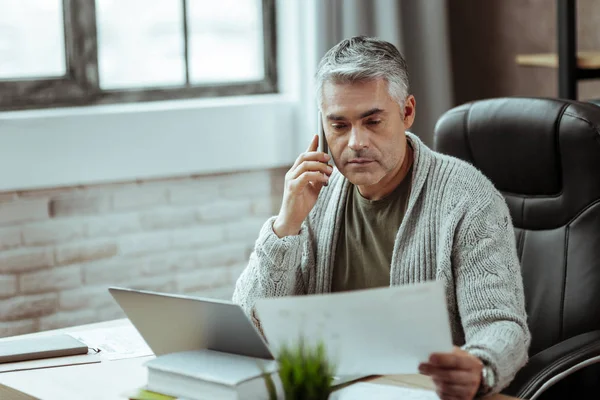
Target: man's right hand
[303, 183]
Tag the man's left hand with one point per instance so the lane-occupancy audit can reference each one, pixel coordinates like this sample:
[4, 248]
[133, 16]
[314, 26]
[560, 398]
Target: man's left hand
[456, 375]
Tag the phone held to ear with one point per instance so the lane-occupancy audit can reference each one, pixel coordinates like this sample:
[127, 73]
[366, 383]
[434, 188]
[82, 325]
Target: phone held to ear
[323, 147]
[322, 141]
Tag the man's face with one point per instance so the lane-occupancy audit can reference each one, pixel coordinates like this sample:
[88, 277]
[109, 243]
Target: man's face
[365, 129]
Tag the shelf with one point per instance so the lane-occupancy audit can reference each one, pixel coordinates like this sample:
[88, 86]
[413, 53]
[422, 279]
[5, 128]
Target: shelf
[585, 60]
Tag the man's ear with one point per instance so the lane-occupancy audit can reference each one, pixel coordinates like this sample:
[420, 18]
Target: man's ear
[409, 111]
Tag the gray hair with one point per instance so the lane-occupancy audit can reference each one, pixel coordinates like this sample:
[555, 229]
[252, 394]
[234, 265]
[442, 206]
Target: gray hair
[362, 58]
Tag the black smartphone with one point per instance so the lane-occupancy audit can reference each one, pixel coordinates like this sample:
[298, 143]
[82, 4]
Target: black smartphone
[322, 141]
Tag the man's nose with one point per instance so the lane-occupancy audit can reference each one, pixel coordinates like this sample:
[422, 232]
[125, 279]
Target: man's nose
[358, 138]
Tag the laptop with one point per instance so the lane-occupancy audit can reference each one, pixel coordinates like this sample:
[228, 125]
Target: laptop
[172, 323]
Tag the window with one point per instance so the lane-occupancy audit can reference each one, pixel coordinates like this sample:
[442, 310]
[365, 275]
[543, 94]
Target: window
[78, 52]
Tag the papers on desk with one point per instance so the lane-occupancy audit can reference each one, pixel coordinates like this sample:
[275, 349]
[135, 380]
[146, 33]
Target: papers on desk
[115, 343]
[380, 331]
[360, 391]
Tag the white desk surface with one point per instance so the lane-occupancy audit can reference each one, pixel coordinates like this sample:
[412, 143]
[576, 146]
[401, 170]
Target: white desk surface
[104, 380]
[114, 379]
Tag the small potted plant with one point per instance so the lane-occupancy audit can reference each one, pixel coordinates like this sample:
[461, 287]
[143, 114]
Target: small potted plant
[304, 371]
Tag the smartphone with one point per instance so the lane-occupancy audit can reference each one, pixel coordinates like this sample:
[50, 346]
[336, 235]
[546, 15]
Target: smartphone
[322, 141]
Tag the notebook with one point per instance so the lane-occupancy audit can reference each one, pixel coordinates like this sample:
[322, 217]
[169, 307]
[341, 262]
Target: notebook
[40, 347]
[208, 374]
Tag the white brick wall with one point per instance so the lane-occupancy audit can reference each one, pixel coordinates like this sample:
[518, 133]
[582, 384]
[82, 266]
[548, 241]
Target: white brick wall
[50, 280]
[25, 210]
[8, 285]
[9, 238]
[26, 259]
[61, 248]
[18, 327]
[86, 250]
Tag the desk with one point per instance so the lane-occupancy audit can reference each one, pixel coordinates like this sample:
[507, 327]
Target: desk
[112, 379]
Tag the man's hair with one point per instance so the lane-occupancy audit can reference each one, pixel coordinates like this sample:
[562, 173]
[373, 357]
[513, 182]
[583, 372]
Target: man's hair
[360, 59]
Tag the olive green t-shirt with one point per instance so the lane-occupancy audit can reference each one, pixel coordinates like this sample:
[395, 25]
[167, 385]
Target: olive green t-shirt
[366, 239]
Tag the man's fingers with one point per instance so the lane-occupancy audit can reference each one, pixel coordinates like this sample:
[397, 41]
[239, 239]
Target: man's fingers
[314, 143]
[317, 186]
[308, 177]
[454, 376]
[314, 156]
[444, 394]
[453, 361]
[311, 156]
[448, 391]
[311, 166]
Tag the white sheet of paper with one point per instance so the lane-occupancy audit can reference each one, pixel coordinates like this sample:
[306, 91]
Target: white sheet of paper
[379, 331]
[362, 390]
[115, 343]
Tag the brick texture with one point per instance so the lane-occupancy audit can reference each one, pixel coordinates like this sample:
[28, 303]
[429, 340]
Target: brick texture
[79, 204]
[144, 243]
[168, 218]
[112, 225]
[9, 238]
[195, 194]
[13, 328]
[69, 318]
[157, 264]
[89, 296]
[205, 279]
[111, 272]
[139, 198]
[224, 210]
[51, 232]
[157, 284]
[266, 206]
[110, 312]
[6, 197]
[24, 307]
[22, 260]
[8, 285]
[50, 280]
[201, 236]
[246, 229]
[251, 184]
[22, 211]
[226, 254]
[84, 251]
[61, 248]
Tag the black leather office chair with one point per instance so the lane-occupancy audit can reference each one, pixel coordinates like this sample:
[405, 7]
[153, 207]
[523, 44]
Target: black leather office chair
[544, 156]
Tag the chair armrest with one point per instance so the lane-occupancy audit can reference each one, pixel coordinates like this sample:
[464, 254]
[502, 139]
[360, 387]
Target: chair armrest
[565, 358]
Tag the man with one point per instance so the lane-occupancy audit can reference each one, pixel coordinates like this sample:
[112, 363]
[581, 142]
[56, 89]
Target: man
[394, 212]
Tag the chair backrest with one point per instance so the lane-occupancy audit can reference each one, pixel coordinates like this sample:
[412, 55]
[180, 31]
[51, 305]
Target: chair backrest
[544, 156]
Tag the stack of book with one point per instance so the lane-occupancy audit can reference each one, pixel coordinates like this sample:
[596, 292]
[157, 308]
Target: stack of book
[208, 374]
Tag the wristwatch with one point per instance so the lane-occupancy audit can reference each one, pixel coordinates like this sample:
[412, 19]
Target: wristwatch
[488, 381]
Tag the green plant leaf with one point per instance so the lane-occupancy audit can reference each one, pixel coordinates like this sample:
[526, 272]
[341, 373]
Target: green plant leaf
[305, 372]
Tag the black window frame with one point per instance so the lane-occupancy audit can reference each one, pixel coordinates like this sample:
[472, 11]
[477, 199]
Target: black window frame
[81, 83]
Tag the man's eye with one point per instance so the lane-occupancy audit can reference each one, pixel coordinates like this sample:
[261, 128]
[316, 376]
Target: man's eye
[374, 122]
[338, 126]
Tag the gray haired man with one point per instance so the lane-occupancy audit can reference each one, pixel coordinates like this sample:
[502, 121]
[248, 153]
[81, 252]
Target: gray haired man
[395, 212]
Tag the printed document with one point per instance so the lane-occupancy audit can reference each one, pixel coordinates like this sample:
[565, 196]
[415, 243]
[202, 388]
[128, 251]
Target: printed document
[382, 331]
[115, 343]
